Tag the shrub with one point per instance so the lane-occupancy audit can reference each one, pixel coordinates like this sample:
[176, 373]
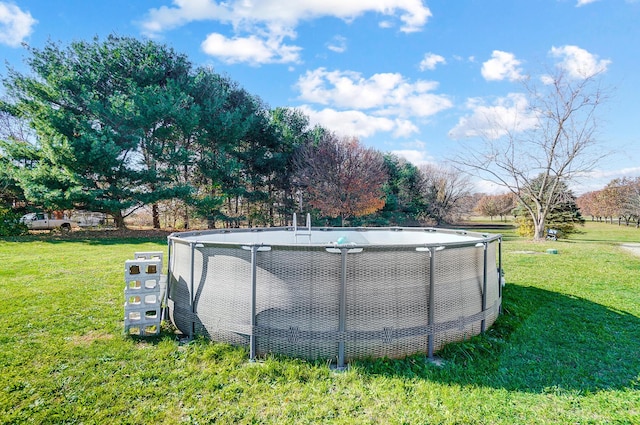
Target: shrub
[10, 223]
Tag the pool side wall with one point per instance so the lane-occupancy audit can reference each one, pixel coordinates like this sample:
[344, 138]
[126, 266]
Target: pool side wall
[323, 302]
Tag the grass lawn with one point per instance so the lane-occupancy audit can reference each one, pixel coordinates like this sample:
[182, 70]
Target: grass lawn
[566, 350]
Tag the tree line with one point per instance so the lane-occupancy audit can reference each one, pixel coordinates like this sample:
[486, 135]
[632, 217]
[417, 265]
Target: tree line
[619, 199]
[112, 126]
[116, 125]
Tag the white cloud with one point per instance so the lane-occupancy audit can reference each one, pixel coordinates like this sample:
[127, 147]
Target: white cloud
[252, 49]
[272, 18]
[166, 18]
[598, 179]
[385, 93]
[430, 61]
[412, 13]
[359, 106]
[358, 123]
[15, 24]
[349, 123]
[338, 44]
[578, 62]
[506, 114]
[404, 128]
[414, 156]
[547, 79]
[502, 65]
[488, 187]
[612, 174]
[584, 2]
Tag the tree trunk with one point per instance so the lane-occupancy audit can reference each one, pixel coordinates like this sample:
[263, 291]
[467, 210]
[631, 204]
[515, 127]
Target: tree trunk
[538, 227]
[118, 219]
[186, 217]
[156, 216]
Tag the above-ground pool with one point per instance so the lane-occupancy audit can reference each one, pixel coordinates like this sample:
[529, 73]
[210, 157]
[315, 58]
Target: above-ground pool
[334, 293]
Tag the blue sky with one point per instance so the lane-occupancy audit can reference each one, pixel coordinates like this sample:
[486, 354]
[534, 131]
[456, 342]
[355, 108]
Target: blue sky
[405, 76]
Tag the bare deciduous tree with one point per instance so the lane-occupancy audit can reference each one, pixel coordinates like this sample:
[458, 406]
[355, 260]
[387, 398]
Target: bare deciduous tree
[443, 188]
[556, 147]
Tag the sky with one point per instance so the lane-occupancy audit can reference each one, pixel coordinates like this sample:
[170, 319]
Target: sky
[410, 77]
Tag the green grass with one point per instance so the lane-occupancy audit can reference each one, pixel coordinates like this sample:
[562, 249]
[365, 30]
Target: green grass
[565, 351]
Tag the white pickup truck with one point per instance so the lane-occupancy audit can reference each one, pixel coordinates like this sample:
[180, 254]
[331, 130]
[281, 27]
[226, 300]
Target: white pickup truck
[43, 221]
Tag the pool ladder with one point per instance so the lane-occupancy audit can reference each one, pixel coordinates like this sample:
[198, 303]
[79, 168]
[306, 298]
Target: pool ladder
[303, 231]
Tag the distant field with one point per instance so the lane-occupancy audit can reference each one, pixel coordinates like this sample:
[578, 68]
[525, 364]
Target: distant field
[565, 351]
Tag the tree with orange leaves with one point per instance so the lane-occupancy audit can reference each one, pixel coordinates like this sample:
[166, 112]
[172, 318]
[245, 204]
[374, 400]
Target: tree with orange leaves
[342, 178]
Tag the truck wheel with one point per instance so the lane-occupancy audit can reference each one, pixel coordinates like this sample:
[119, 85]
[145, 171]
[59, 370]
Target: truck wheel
[65, 228]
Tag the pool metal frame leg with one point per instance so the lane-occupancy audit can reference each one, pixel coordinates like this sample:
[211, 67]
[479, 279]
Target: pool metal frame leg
[484, 286]
[252, 337]
[343, 306]
[165, 300]
[192, 285]
[500, 273]
[431, 312]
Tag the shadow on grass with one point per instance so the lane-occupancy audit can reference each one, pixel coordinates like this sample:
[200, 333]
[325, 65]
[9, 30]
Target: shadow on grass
[545, 342]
